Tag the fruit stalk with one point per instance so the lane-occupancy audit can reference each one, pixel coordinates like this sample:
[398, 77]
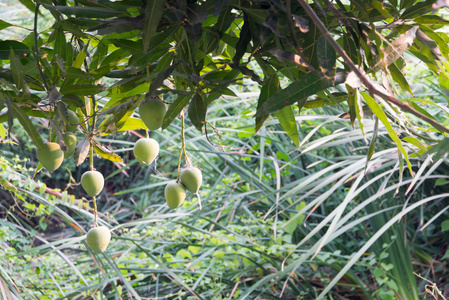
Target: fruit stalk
[183, 140]
[91, 156]
[91, 161]
[95, 211]
[183, 147]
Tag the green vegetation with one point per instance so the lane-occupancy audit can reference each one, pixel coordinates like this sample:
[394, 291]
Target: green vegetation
[311, 138]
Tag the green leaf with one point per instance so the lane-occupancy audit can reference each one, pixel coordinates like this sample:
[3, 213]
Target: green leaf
[419, 9]
[160, 77]
[377, 110]
[414, 141]
[270, 87]
[5, 184]
[106, 154]
[4, 24]
[72, 100]
[119, 115]
[287, 120]
[445, 226]
[80, 58]
[399, 77]
[71, 27]
[352, 103]
[326, 57]
[2, 132]
[174, 109]
[81, 89]
[295, 220]
[440, 149]
[441, 181]
[81, 151]
[59, 47]
[153, 13]
[332, 99]
[242, 44]
[431, 19]
[18, 73]
[28, 126]
[19, 48]
[197, 111]
[130, 46]
[446, 255]
[305, 86]
[133, 124]
[372, 142]
[85, 12]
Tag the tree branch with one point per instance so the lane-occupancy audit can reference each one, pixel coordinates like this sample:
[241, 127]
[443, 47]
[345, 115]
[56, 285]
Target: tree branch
[366, 82]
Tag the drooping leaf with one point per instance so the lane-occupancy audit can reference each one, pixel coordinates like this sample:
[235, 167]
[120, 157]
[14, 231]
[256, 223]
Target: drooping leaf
[352, 95]
[153, 13]
[85, 12]
[399, 77]
[197, 111]
[286, 118]
[118, 25]
[270, 87]
[372, 142]
[4, 24]
[161, 76]
[440, 149]
[242, 44]
[72, 100]
[81, 89]
[2, 132]
[18, 73]
[307, 85]
[133, 124]
[377, 110]
[106, 154]
[59, 47]
[327, 58]
[6, 46]
[419, 9]
[118, 115]
[174, 109]
[335, 99]
[80, 58]
[81, 151]
[28, 126]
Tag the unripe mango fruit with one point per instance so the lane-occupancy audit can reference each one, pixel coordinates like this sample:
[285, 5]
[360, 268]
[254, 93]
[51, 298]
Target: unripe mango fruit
[70, 141]
[92, 182]
[98, 238]
[73, 119]
[146, 150]
[192, 179]
[152, 112]
[175, 193]
[50, 156]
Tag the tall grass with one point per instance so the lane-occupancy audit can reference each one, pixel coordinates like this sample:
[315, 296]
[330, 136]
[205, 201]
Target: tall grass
[311, 222]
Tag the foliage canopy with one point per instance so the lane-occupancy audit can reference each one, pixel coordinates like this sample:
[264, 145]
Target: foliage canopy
[191, 52]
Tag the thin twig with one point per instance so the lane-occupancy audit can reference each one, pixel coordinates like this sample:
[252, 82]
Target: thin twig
[371, 88]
